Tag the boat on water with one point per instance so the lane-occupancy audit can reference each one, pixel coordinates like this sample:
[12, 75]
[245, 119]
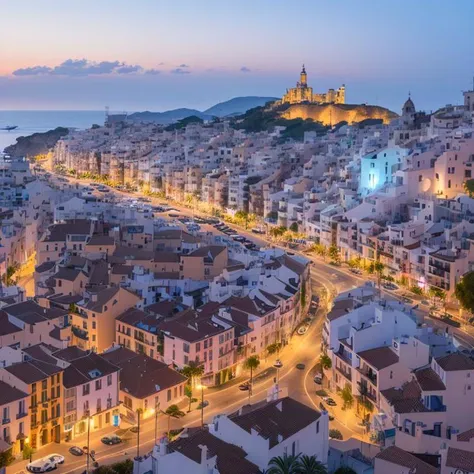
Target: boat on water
[9, 127]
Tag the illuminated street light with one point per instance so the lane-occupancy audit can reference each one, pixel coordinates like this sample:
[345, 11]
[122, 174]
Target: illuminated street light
[202, 388]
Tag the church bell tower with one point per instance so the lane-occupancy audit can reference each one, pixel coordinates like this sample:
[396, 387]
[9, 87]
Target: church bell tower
[303, 77]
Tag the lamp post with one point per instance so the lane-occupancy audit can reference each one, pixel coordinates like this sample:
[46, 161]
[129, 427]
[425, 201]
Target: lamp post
[88, 443]
[202, 387]
[278, 365]
[139, 411]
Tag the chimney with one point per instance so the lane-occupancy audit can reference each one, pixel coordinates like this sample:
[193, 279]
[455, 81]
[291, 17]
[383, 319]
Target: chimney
[203, 448]
[163, 451]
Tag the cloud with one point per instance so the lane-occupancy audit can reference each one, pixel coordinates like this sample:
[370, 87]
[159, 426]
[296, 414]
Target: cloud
[152, 72]
[183, 65]
[180, 71]
[79, 68]
[32, 71]
[245, 69]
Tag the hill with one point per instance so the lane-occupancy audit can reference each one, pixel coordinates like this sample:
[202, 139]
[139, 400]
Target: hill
[334, 113]
[235, 106]
[36, 144]
[168, 117]
[238, 105]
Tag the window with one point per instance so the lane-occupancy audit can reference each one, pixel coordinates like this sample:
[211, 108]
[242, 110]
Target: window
[127, 401]
[420, 178]
[33, 388]
[317, 427]
[44, 384]
[168, 395]
[186, 360]
[98, 384]
[99, 405]
[21, 429]
[6, 414]
[198, 346]
[94, 324]
[86, 389]
[186, 347]
[70, 406]
[109, 380]
[205, 344]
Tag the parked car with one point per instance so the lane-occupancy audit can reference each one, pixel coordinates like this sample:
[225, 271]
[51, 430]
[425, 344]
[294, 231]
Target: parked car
[256, 230]
[203, 404]
[300, 366]
[330, 401]
[356, 271]
[112, 439]
[318, 379]
[46, 464]
[76, 451]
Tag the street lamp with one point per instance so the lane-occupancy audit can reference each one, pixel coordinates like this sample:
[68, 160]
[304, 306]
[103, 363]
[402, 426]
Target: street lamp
[278, 365]
[89, 420]
[202, 388]
[139, 411]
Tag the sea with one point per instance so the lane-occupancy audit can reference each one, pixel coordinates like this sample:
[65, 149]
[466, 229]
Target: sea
[34, 121]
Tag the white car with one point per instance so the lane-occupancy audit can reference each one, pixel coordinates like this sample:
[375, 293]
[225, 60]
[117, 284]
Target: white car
[46, 464]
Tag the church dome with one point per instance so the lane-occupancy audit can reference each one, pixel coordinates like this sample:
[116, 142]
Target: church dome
[408, 106]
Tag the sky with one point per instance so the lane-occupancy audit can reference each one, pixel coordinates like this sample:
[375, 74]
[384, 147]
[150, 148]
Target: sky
[162, 54]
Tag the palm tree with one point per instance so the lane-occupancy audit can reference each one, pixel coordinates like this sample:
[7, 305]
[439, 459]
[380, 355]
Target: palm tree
[325, 361]
[273, 348]
[192, 371]
[310, 465]
[378, 270]
[188, 392]
[173, 411]
[251, 364]
[284, 465]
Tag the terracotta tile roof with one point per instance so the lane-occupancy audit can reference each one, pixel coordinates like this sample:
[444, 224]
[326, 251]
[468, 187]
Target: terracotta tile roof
[405, 400]
[101, 240]
[403, 458]
[166, 309]
[231, 459]
[466, 435]
[33, 371]
[31, 312]
[168, 257]
[6, 327]
[133, 253]
[455, 361]
[341, 308]
[279, 418]
[140, 375]
[70, 353]
[102, 297]
[172, 234]
[68, 274]
[191, 326]
[87, 368]
[121, 269]
[460, 459]
[429, 380]
[10, 394]
[212, 250]
[44, 267]
[380, 357]
[293, 264]
[59, 232]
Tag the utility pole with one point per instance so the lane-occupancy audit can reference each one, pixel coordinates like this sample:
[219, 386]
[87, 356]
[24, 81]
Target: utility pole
[138, 433]
[88, 443]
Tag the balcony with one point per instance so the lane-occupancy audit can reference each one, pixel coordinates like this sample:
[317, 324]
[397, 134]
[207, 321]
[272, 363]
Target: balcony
[5, 421]
[368, 373]
[345, 374]
[21, 415]
[80, 333]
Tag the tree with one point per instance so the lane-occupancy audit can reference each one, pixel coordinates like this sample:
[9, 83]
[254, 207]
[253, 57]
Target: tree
[28, 451]
[347, 397]
[416, 290]
[294, 227]
[192, 371]
[6, 458]
[303, 294]
[345, 470]
[469, 187]
[251, 364]
[273, 348]
[188, 392]
[378, 270]
[334, 254]
[173, 411]
[284, 465]
[355, 263]
[465, 292]
[325, 361]
[335, 434]
[310, 465]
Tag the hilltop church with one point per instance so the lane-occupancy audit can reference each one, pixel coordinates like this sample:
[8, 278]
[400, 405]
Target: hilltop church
[303, 93]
